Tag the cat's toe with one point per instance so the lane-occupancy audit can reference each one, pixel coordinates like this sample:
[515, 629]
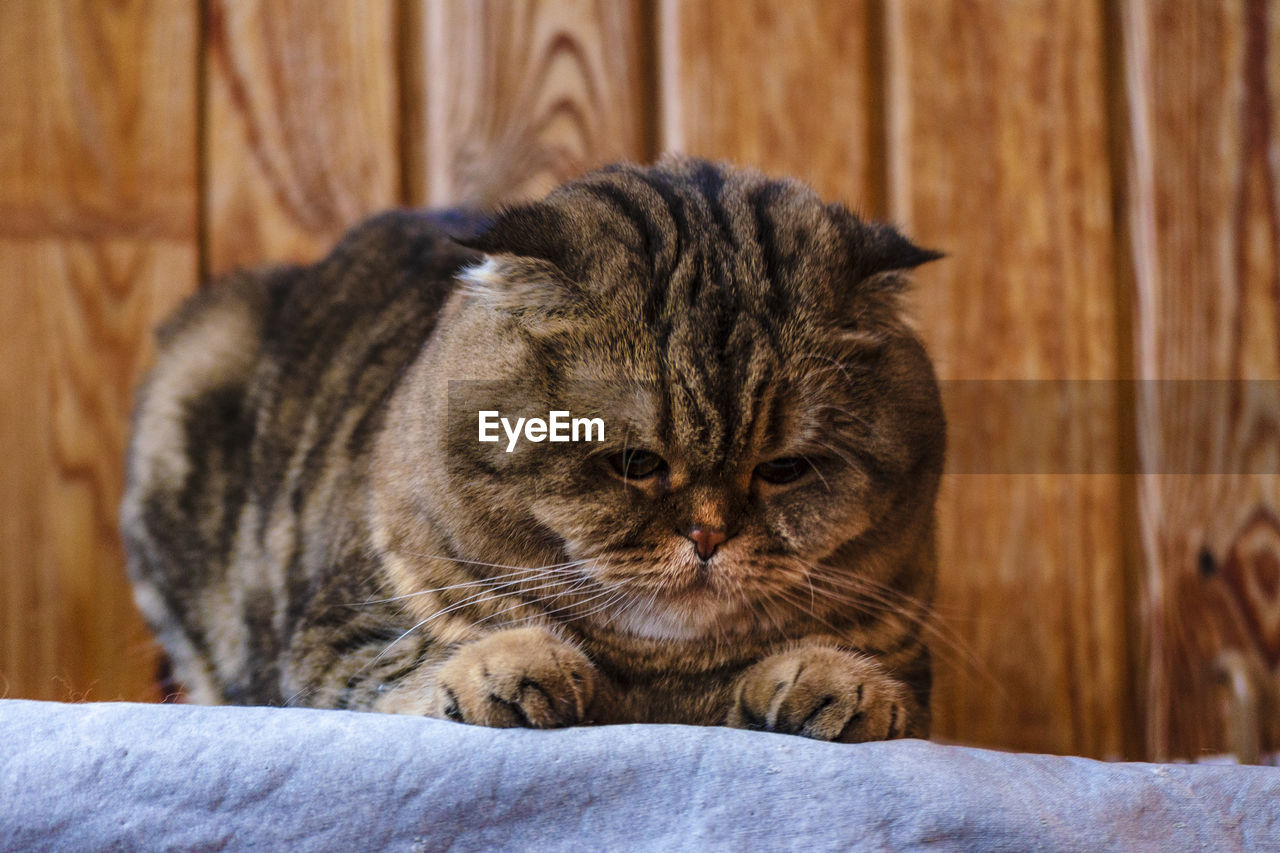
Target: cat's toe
[821, 693]
[518, 677]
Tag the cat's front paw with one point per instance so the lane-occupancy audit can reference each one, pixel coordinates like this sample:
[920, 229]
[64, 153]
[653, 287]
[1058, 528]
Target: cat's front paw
[517, 677]
[822, 693]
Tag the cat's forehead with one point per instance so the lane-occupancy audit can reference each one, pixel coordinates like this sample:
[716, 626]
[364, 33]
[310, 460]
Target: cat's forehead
[710, 262]
[712, 409]
[686, 234]
[691, 227]
[704, 272]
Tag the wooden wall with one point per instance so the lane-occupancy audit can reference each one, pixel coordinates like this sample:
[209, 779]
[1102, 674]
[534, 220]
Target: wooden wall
[1099, 173]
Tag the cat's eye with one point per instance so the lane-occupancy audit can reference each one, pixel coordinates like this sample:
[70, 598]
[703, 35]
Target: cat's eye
[786, 469]
[636, 464]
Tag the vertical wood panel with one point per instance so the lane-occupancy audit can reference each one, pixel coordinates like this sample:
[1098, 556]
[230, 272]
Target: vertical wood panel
[980, 126]
[998, 155]
[301, 129]
[518, 97]
[97, 242]
[786, 87]
[1203, 87]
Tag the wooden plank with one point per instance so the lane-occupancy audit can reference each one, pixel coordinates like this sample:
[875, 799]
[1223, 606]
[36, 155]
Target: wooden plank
[1203, 204]
[82, 95]
[97, 242]
[301, 125]
[786, 87]
[514, 98]
[997, 143]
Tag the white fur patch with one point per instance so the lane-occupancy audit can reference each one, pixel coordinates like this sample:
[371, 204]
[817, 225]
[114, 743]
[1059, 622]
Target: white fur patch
[482, 278]
[658, 623]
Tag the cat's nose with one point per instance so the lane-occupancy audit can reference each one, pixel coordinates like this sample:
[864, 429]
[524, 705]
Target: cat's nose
[706, 539]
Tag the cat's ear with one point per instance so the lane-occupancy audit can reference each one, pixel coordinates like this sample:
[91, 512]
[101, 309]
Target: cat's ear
[876, 252]
[537, 231]
[531, 290]
[524, 271]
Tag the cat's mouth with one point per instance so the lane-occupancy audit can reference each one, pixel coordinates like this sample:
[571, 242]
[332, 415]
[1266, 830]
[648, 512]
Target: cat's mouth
[688, 611]
[665, 596]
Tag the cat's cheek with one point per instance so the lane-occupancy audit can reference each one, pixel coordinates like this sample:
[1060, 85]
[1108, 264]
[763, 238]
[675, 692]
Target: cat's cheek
[817, 524]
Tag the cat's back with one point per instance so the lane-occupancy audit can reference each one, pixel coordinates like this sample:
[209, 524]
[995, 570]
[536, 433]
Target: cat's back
[267, 384]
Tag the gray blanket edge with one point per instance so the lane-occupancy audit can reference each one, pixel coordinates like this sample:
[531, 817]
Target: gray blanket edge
[162, 777]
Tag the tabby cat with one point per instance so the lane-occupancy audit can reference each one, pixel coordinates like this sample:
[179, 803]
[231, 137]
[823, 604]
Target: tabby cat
[312, 520]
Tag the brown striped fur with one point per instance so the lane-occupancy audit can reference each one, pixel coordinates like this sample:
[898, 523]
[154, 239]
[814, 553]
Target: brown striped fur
[311, 519]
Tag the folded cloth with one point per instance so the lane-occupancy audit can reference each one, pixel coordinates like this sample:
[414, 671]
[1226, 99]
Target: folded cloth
[164, 777]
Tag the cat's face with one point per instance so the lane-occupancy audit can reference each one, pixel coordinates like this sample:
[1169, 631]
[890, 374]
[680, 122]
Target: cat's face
[764, 406]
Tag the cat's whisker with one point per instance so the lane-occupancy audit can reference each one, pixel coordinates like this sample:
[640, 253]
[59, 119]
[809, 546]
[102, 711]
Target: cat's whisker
[840, 579]
[584, 581]
[537, 602]
[870, 593]
[813, 598]
[470, 601]
[532, 574]
[651, 605]
[492, 565]
[394, 643]
[873, 601]
[633, 610]
[618, 595]
[765, 610]
[843, 457]
[490, 592]
[850, 592]
[551, 584]
[786, 595]
[850, 414]
[816, 470]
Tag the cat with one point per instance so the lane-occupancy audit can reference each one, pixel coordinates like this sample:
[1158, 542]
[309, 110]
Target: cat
[310, 518]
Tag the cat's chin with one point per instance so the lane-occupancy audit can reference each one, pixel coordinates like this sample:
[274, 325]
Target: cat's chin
[693, 618]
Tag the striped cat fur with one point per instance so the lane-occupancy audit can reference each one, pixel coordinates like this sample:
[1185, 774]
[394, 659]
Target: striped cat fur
[310, 519]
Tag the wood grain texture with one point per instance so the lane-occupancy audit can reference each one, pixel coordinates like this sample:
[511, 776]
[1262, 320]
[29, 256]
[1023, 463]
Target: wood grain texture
[97, 241]
[998, 155]
[1203, 201]
[517, 97]
[790, 88]
[89, 96]
[301, 125]
[1006, 132]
